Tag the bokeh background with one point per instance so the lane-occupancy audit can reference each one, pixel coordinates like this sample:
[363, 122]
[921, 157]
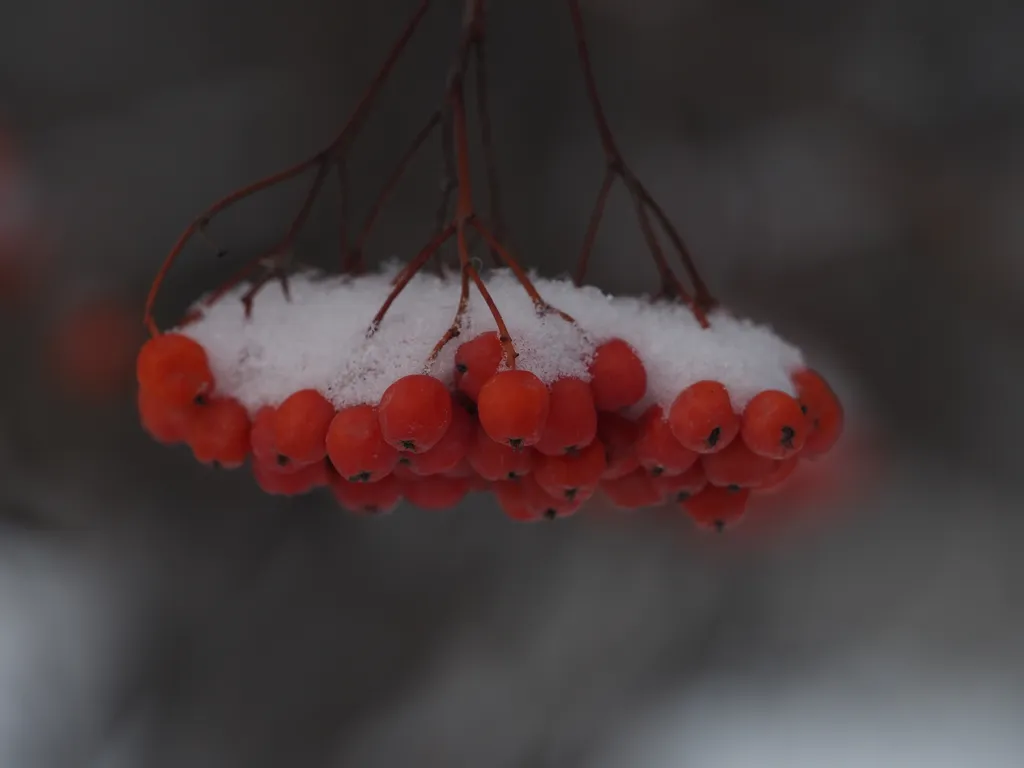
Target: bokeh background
[850, 173]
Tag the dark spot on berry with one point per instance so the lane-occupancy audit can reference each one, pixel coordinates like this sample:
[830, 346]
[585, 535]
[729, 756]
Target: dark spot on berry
[408, 445]
[461, 367]
[550, 514]
[360, 477]
[733, 488]
[788, 433]
[513, 476]
[573, 450]
[405, 460]
[282, 460]
[657, 471]
[719, 525]
[570, 493]
[713, 437]
[515, 443]
[201, 399]
[803, 409]
[682, 496]
[216, 464]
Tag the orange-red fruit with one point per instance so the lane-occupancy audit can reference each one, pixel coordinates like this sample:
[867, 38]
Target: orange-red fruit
[447, 454]
[288, 481]
[657, 449]
[476, 361]
[516, 500]
[415, 412]
[219, 433]
[435, 492]
[367, 498]
[717, 508]
[681, 487]
[548, 506]
[618, 435]
[633, 491]
[357, 448]
[300, 426]
[572, 477]
[513, 408]
[702, 418]
[174, 369]
[572, 418]
[737, 466]
[617, 376]
[774, 425]
[164, 424]
[497, 461]
[824, 411]
[778, 476]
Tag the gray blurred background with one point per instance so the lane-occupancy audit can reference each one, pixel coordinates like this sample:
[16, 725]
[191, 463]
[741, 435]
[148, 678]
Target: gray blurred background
[850, 173]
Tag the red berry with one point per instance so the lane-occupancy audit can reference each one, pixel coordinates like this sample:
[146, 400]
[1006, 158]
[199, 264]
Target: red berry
[173, 368]
[618, 435]
[497, 461]
[572, 418]
[823, 409]
[548, 506]
[681, 487]
[415, 412]
[516, 500]
[657, 449]
[633, 491]
[300, 426]
[357, 448]
[774, 425]
[717, 508]
[289, 481]
[476, 361]
[617, 376]
[435, 492]
[737, 466]
[447, 454]
[513, 408]
[778, 476]
[702, 418]
[164, 424]
[219, 433]
[367, 498]
[572, 477]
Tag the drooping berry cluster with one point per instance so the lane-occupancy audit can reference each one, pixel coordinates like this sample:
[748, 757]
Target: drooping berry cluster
[543, 448]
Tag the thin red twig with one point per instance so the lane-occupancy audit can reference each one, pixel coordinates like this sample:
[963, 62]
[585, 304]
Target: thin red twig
[594, 224]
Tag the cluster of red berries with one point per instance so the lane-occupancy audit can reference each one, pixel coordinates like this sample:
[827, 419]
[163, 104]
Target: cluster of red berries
[541, 449]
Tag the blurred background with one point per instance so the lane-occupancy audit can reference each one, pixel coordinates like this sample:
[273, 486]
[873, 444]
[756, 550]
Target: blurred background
[851, 174]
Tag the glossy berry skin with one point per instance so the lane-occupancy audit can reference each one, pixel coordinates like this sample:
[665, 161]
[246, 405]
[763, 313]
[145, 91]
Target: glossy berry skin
[657, 449]
[737, 466]
[174, 369]
[513, 408]
[681, 487]
[476, 361]
[702, 418]
[367, 498]
[452, 448]
[415, 412]
[633, 491]
[618, 435]
[515, 499]
[551, 507]
[357, 448]
[219, 433]
[572, 418]
[824, 411]
[436, 492]
[498, 461]
[571, 477]
[617, 376]
[717, 508]
[774, 425]
[300, 426]
[168, 425]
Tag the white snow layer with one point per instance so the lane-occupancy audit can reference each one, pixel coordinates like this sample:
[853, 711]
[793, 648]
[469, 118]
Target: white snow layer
[318, 339]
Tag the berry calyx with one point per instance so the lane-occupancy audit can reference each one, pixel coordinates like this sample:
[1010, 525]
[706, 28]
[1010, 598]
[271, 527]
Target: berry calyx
[572, 418]
[657, 449]
[367, 498]
[681, 487]
[415, 412]
[572, 477]
[174, 368]
[356, 447]
[617, 376]
[549, 507]
[300, 427]
[498, 461]
[450, 450]
[219, 433]
[774, 425]
[476, 361]
[717, 508]
[737, 466]
[513, 408]
[824, 411]
[702, 417]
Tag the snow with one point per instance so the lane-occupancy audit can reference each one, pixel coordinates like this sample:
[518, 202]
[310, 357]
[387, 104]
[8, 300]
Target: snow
[319, 339]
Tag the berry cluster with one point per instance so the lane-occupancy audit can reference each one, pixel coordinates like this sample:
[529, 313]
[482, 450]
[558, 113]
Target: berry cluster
[542, 448]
